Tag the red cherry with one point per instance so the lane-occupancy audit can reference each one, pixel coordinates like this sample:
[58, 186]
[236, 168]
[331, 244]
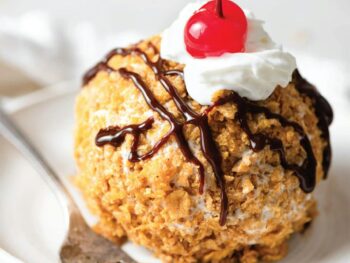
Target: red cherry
[216, 28]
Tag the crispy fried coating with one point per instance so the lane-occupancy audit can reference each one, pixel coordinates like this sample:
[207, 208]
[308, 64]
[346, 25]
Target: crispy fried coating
[156, 202]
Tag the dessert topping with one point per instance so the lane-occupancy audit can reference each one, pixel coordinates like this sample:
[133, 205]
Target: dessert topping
[253, 74]
[216, 28]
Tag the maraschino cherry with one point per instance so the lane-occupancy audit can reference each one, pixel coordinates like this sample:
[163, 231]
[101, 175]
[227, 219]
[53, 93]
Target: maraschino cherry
[218, 27]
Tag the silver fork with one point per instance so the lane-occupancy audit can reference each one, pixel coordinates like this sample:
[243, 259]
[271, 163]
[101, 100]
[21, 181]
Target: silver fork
[82, 245]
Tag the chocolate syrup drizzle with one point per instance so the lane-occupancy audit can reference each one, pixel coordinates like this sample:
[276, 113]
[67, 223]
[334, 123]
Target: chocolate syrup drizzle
[307, 171]
[323, 112]
[115, 136]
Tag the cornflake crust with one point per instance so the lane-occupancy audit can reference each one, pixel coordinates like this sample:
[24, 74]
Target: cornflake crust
[156, 203]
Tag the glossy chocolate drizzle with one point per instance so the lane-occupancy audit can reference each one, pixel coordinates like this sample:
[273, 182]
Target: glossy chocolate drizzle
[307, 171]
[115, 136]
[323, 112]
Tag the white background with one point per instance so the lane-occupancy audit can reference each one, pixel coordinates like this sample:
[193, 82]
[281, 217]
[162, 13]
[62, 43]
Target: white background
[321, 27]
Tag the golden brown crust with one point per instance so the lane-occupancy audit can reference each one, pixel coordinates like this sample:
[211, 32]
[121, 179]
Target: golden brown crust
[156, 202]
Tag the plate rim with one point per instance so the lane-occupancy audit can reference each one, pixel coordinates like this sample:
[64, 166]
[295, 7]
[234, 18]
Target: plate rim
[50, 92]
[19, 104]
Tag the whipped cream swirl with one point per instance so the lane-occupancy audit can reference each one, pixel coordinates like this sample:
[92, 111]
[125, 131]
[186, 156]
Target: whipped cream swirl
[253, 74]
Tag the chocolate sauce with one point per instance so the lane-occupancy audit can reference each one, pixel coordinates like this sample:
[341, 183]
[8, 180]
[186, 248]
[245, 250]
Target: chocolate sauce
[114, 136]
[324, 114]
[92, 72]
[210, 151]
[306, 173]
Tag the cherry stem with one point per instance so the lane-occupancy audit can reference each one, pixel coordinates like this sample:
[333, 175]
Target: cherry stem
[219, 9]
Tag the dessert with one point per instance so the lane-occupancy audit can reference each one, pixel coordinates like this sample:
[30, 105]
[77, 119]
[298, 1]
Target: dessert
[202, 151]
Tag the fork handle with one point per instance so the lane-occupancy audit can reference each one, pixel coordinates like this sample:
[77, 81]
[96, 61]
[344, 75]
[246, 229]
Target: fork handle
[13, 134]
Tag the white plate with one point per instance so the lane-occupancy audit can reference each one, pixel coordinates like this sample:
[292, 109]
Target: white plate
[32, 226]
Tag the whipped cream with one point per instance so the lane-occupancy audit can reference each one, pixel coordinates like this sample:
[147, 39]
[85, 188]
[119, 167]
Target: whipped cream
[253, 74]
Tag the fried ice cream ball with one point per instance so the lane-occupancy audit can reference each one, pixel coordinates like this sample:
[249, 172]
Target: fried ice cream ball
[156, 202]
